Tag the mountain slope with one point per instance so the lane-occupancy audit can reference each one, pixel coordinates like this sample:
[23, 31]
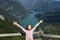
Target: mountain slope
[13, 8]
[46, 5]
[50, 17]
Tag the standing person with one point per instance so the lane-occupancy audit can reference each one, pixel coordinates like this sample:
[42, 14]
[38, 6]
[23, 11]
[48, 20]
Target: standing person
[29, 30]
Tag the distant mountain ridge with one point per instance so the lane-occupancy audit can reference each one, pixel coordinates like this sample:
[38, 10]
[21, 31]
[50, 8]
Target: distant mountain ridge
[13, 8]
[46, 5]
[49, 17]
[28, 3]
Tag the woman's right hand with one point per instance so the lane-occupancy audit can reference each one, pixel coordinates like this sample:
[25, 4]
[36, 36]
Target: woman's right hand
[15, 23]
[41, 21]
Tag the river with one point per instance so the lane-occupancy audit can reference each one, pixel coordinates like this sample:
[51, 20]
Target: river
[30, 19]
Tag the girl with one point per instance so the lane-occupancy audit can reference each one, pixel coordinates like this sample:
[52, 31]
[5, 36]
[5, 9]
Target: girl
[29, 31]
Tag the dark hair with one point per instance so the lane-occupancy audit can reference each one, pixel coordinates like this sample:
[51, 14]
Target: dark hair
[23, 33]
[27, 27]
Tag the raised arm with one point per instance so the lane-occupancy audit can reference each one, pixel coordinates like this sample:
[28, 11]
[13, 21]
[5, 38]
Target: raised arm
[15, 23]
[37, 25]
